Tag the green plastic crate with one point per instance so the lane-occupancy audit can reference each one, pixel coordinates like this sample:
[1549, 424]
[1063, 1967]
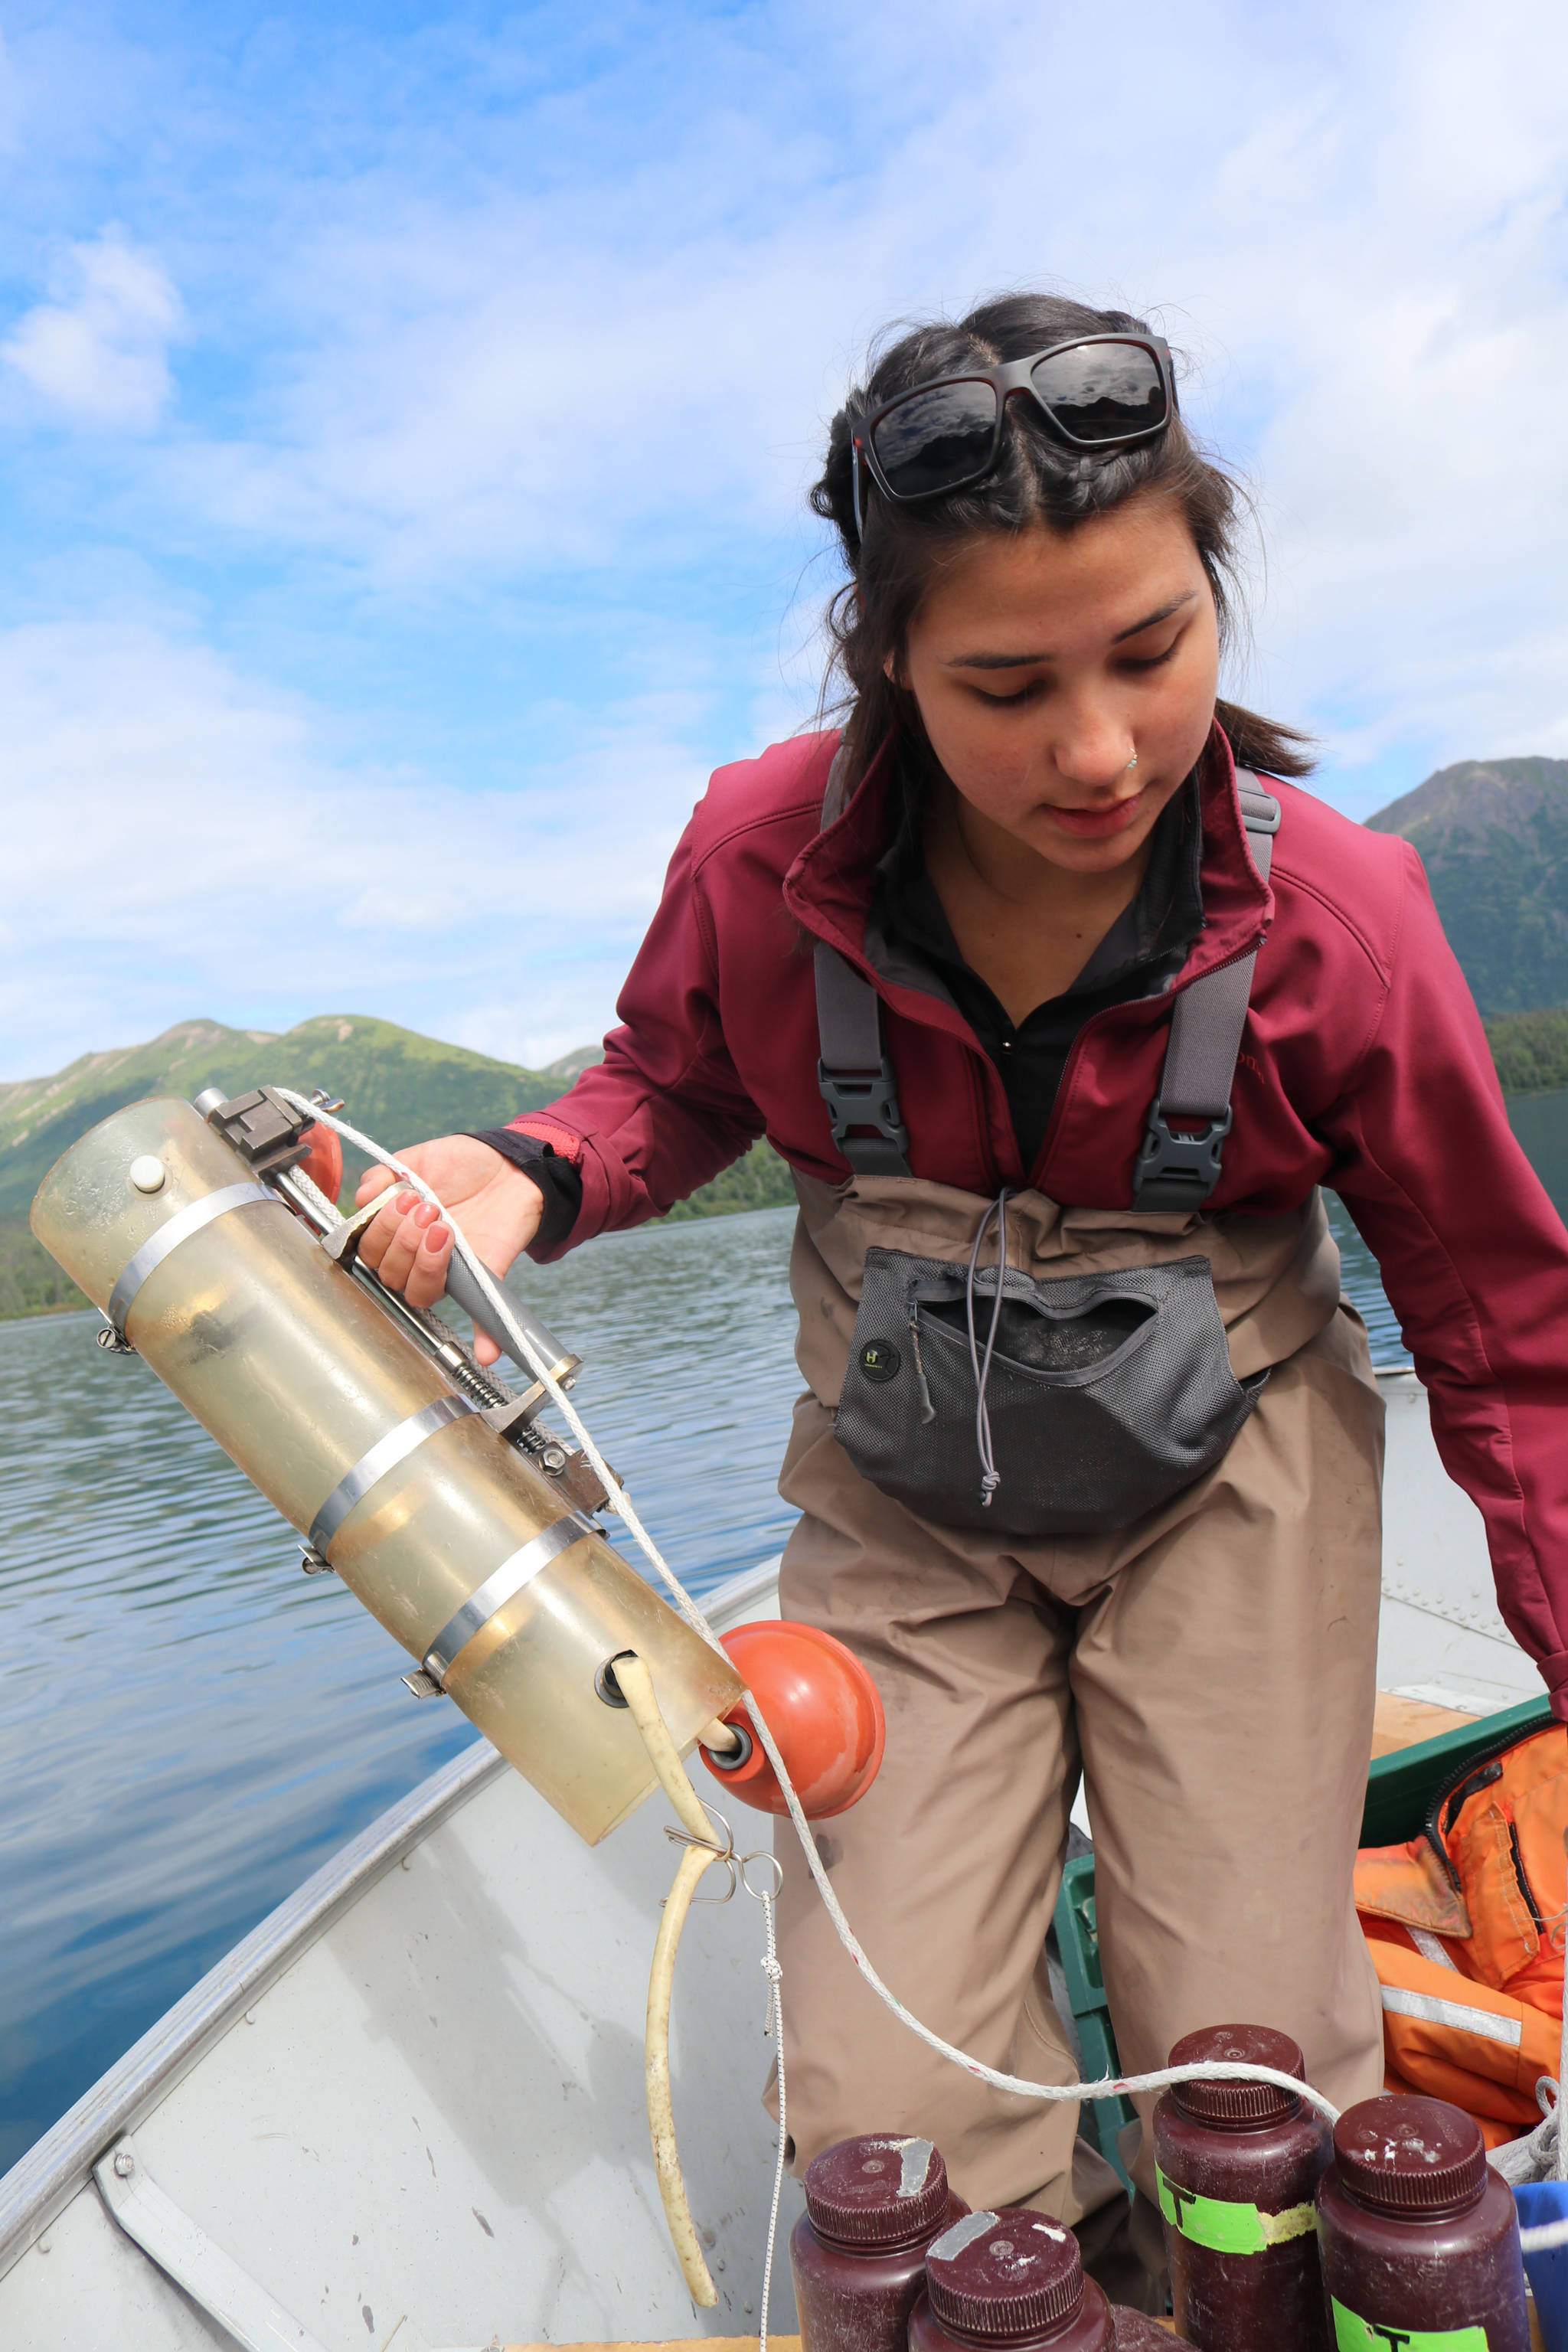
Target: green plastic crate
[1078, 1941]
[1398, 1790]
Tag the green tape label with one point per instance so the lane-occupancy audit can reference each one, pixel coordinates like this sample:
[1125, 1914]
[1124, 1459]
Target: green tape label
[1227, 2228]
[1354, 2334]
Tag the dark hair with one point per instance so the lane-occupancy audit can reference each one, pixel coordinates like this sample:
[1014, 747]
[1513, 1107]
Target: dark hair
[1037, 479]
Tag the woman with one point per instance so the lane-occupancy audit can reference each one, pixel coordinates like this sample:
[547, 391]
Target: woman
[1119, 1518]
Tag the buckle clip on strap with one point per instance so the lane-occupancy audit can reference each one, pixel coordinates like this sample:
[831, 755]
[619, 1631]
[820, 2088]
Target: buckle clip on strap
[853, 1076]
[1178, 1171]
[872, 1101]
[1207, 1020]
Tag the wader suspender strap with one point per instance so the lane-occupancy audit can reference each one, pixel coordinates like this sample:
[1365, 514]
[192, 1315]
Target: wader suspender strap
[1180, 1171]
[854, 1073]
[1173, 1172]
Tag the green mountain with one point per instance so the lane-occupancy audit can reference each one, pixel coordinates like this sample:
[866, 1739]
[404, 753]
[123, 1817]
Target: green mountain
[1493, 836]
[1530, 1050]
[397, 1086]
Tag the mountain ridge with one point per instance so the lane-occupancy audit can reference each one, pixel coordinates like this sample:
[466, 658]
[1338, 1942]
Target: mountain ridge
[399, 1086]
[1493, 837]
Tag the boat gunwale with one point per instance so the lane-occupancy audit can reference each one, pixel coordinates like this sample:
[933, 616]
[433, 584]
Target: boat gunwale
[56, 2168]
[43, 2181]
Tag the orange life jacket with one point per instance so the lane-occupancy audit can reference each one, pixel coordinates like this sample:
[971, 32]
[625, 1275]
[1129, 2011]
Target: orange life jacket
[1465, 1929]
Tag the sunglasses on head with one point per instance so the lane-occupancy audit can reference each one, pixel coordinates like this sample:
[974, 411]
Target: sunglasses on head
[1097, 391]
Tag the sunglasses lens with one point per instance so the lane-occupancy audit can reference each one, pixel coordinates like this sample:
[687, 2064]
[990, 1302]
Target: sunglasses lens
[1102, 392]
[936, 439]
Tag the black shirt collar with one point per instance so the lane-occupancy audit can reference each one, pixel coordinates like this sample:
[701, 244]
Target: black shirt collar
[1156, 929]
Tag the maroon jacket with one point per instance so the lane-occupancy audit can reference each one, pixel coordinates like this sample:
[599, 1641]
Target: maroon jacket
[1364, 1067]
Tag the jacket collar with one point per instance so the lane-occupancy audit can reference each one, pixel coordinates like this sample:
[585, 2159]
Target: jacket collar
[828, 889]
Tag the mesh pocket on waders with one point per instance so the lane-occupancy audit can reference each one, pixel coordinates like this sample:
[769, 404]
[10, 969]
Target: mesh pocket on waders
[1106, 1393]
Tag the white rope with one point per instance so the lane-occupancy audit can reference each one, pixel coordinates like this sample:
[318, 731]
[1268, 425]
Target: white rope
[1114, 2087]
[1548, 2235]
[773, 1971]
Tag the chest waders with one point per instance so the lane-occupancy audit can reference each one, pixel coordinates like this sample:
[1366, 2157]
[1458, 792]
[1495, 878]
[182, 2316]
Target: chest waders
[990, 1397]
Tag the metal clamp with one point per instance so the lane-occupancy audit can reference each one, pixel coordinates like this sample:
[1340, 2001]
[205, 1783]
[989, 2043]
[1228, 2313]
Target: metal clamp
[502, 1585]
[262, 1128]
[1178, 1171]
[168, 1238]
[383, 1455]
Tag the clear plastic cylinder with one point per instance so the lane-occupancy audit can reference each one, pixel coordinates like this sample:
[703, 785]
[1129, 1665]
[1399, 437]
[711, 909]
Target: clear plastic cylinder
[297, 1373]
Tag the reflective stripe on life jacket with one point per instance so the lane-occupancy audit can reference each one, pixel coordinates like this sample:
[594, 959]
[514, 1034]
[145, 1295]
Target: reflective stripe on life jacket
[1455, 2040]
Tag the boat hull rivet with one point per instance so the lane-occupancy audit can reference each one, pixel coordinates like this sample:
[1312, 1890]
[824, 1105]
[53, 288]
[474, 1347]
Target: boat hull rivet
[148, 1173]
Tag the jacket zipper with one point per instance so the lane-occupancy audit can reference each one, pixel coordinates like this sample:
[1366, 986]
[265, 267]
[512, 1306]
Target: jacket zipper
[1524, 1886]
[928, 1410]
[1430, 1827]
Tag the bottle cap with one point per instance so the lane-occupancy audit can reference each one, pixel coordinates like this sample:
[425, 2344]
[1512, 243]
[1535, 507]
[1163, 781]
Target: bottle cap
[1006, 2275]
[1238, 2104]
[1402, 2155]
[879, 2190]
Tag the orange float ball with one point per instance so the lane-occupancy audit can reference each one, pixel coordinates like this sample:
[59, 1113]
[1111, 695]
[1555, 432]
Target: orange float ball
[822, 1707]
[323, 1164]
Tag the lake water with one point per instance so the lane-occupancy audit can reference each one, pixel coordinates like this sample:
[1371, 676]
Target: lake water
[192, 1725]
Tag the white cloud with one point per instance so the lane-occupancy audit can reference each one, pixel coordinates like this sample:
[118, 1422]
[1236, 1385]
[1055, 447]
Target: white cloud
[581, 378]
[96, 354]
[182, 841]
[1357, 220]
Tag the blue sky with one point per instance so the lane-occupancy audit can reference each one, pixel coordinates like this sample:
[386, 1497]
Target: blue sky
[405, 415]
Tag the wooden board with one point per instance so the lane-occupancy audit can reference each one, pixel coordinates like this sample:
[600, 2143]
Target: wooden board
[1402, 1722]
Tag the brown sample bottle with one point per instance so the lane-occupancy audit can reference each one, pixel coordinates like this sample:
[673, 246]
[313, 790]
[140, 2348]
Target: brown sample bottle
[1420, 2237]
[857, 2254]
[1239, 2164]
[1136, 2334]
[1013, 2278]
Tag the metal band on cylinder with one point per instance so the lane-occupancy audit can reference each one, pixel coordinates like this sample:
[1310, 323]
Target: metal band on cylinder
[506, 1581]
[167, 1238]
[383, 1455]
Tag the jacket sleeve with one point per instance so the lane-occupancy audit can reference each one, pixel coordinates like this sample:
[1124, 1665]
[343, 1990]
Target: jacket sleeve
[665, 1111]
[1475, 1263]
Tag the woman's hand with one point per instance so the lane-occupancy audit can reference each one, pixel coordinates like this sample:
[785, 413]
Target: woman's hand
[408, 1246]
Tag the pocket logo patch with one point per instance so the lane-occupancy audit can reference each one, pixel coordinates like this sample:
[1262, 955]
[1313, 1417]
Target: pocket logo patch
[879, 1361]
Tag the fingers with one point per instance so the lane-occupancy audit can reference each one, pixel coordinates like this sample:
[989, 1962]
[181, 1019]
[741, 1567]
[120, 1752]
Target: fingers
[373, 1181]
[410, 1248]
[484, 1349]
[378, 1234]
[427, 1279]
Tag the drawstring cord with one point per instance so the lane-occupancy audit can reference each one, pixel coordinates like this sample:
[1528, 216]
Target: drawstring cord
[989, 1476]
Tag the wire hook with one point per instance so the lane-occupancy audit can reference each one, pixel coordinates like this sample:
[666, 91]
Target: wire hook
[725, 1853]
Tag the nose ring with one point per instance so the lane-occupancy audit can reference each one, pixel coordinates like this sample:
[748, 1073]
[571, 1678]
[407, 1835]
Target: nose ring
[1133, 762]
